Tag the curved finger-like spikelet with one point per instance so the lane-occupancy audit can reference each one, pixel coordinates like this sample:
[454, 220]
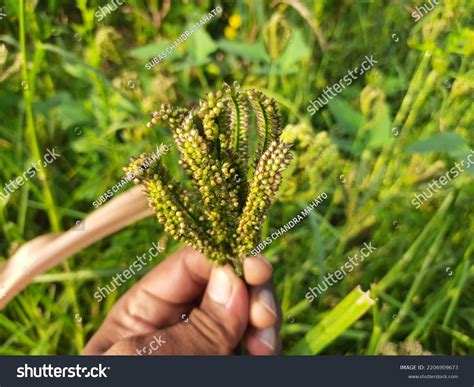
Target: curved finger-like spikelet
[239, 120]
[268, 115]
[209, 111]
[268, 119]
[218, 200]
[263, 188]
[172, 116]
[180, 217]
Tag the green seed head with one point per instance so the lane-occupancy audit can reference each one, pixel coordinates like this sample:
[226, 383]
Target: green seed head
[222, 216]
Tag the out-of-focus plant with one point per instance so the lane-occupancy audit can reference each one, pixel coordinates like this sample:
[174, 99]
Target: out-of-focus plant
[222, 216]
[277, 33]
[107, 41]
[6, 72]
[405, 348]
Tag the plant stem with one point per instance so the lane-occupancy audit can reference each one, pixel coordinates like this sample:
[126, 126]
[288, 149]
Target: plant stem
[460, 283]
[31, 131]
[407, 304]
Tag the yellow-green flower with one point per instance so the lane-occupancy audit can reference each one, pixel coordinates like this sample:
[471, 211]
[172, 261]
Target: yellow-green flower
[235, 22]
[230, 33]
[213, 69]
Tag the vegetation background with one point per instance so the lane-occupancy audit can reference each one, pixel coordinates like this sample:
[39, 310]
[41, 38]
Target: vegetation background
[71, 81]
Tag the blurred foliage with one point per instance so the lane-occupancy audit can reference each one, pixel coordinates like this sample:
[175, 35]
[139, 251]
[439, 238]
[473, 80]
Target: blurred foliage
[81, 84]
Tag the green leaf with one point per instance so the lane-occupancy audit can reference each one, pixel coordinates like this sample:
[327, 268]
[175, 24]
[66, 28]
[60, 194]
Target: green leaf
[449, 142]
[72, 113]
[44, 106]
[379, 128]
[69, 111]
[392, 85]
[77, 70]
[296, 51]
[337, 321]
[149, 51]
[191, 62]
[251, 51]
[347, 118]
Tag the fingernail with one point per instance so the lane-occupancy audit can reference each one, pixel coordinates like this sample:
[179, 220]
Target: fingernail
[265, 297]
[263, 259]
[220, 286]
[260, 258]
[268, 338]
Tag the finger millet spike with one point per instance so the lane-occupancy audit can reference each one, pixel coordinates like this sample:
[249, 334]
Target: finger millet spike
[223, 215]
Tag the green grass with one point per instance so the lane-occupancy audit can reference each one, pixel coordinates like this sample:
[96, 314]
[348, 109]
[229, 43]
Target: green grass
[396, 128]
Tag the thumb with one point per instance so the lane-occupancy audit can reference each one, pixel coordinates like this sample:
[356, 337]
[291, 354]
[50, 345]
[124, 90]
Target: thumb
[215, 327]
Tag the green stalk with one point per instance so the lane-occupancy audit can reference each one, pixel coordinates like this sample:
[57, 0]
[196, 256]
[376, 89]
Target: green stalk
[457, 290]
[395, 272]
[416, 84]
[459, 336]
[394, 303]
[23, 208]
[81, 275]
[429, 315]
[407, 304]
[31, 131]
[376, 332]
[443, 295]
[427, 88]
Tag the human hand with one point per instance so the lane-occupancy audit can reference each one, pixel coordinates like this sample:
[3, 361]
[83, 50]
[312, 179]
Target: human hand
[186, 306]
